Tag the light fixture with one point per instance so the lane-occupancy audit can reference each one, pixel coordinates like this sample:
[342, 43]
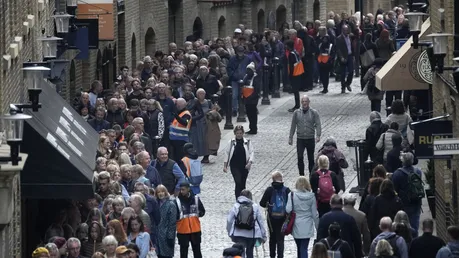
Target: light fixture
[415, 20]
[49, 47]
[72, 3]
[33, 76]
[62, 22]
[13, 125]
[429, 120]
[440, 48]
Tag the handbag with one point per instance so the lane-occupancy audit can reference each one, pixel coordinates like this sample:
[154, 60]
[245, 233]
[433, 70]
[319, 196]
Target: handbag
[368, 57]
[152, 253]
[287, 227]
[298, 67]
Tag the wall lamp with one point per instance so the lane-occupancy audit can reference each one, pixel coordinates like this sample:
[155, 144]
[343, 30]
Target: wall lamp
[33, 76]
[415, 20]
[13, 125]
[438, 51]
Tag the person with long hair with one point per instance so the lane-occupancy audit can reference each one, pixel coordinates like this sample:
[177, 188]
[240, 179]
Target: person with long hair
[115, 228]
[386, 204]
[303, 202]
[334, 243]
[95, 215]
[378, 172]
[319, 250]
[94, 243]
[167, 226]
[137, 235]
[103, 147]
[384, 249]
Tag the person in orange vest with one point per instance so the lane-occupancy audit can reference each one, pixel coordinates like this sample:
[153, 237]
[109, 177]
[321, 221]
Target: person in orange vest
[189, 226]
[180, 129]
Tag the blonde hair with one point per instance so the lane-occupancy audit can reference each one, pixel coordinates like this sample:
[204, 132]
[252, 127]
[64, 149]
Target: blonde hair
[383, 248]
[302, 184]
[323, 162]
[125, 167]
[124, 159]
[161, 188]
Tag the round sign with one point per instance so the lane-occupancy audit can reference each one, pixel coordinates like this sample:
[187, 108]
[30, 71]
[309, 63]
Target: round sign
[424, 68]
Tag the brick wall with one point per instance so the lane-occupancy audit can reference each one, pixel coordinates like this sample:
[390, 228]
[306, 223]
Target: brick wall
[444, 97]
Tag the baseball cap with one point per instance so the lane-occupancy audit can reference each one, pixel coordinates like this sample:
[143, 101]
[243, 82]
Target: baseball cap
[237, 30]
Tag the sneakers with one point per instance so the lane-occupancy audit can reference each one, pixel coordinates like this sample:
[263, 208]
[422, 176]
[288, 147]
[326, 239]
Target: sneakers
[324, 92]
[348, 87]
[251, 132]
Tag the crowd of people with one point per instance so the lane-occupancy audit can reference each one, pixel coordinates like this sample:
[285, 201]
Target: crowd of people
[160, 122]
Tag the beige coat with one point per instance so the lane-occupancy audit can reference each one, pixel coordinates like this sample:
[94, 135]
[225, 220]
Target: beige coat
[361, 220]
[213, 131]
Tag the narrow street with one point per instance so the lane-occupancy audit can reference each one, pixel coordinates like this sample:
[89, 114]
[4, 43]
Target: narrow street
[343, 116]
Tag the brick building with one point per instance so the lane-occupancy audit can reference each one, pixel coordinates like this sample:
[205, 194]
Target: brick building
[446, 100]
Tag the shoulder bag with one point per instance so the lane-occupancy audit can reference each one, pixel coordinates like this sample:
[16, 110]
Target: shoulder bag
[287, 227]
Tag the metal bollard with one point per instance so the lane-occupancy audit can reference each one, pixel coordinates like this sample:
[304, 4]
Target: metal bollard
[265, 100]
[276, 79]
[229, 108]
[241, 109]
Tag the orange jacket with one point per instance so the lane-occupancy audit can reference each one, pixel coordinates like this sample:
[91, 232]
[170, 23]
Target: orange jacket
[189, 216]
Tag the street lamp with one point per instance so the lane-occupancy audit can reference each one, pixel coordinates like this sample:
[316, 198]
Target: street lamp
[33, 76]
[440, 48]
[13, 125]
[62, 22]
[49, 47]
[415, 20]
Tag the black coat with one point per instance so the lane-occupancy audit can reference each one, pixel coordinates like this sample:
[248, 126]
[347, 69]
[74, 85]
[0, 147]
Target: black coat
[267, 195]
[349, 229]
[386, 205]
[425, 246]
[209, 84]
[115, 118]
[345, 249]
[372, 135]
[393, 159]
[314, 178]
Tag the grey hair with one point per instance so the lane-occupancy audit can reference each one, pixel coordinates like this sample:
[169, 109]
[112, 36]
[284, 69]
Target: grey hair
[139, 145]
[51, 247]
[127, 210]
[109, 240]
[141, 155]
[407, 159]
[330, 23]
[74, 240]
[336, 199]
[137, 120]
[139, 198]
[385, 223]
[162, 148]
[349, 199]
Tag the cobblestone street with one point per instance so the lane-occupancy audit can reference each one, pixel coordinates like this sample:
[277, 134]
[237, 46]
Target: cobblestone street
[344, 116]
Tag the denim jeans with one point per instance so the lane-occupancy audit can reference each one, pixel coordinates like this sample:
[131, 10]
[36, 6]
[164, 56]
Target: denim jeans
[414, 214]
[248, 243]
[236, 96]
[302, 247]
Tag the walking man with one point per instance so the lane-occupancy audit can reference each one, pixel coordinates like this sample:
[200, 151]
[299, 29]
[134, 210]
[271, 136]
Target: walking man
[306, 122]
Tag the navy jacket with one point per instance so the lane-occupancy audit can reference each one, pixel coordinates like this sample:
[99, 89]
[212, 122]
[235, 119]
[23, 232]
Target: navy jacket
[237, 67]
[400, 180]
[153, 175]
[99, 125]
[168, 108]
[349, 230]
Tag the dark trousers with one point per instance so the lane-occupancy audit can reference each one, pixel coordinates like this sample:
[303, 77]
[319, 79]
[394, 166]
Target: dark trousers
[309, 145]
[160, 256]
[322, 208]
[276, 238]
[248, 243]
[295, 82]
[177, 150]
[165, 141]
[364, 71]
[308, 75]
[324, 72]
[184, 241]
[302, 247]
[240, 178]
[252, 114]
[376, 105]
[391, 96]
[347, 72]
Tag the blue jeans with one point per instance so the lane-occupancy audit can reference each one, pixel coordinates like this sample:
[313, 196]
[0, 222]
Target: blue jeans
[302, 247]
[414, 214]
[236, 96]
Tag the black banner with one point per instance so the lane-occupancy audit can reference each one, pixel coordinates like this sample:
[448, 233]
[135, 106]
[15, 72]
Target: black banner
[425, 133]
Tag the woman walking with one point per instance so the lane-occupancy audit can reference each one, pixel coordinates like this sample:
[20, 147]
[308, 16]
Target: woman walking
[239, 158]
[198, 130]
[303, 202]
[168, 223]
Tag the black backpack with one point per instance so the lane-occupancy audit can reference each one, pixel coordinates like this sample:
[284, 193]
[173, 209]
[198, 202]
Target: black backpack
[393, 243]
[245, 218]
[415, 191]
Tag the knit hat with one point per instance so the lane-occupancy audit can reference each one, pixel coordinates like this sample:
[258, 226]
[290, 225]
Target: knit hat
[251, 66]
[59, 242]
[40, 251]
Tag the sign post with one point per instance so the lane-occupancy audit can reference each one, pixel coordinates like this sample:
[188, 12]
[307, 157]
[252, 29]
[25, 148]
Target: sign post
[426, 133]
[446, 147]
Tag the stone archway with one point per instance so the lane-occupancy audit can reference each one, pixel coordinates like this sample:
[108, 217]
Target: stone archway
[261, 24]
[281, 16]
[198, 28]
[316, 10]
[222, 27]
[72, 86]
[99, 63]
[133, 52]
[150, 42]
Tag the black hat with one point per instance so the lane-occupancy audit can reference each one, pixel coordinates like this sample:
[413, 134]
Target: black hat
[188, 149]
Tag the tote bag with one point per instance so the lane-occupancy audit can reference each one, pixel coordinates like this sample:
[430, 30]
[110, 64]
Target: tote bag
[298, 67]
[287, 227]
[368, 57]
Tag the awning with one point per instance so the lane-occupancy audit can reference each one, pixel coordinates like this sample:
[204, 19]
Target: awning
[409, 68]
[61, 150]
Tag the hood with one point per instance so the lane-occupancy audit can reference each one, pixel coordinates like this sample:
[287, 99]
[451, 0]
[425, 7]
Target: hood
[304, 196]
[277, 185]
[454, 246]
[384, 235]
[375, 116]
[243, 199]
[328, 149]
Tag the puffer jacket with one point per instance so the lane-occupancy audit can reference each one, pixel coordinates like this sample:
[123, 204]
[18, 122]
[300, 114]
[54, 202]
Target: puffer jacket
[258, 233]
[385, 141]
